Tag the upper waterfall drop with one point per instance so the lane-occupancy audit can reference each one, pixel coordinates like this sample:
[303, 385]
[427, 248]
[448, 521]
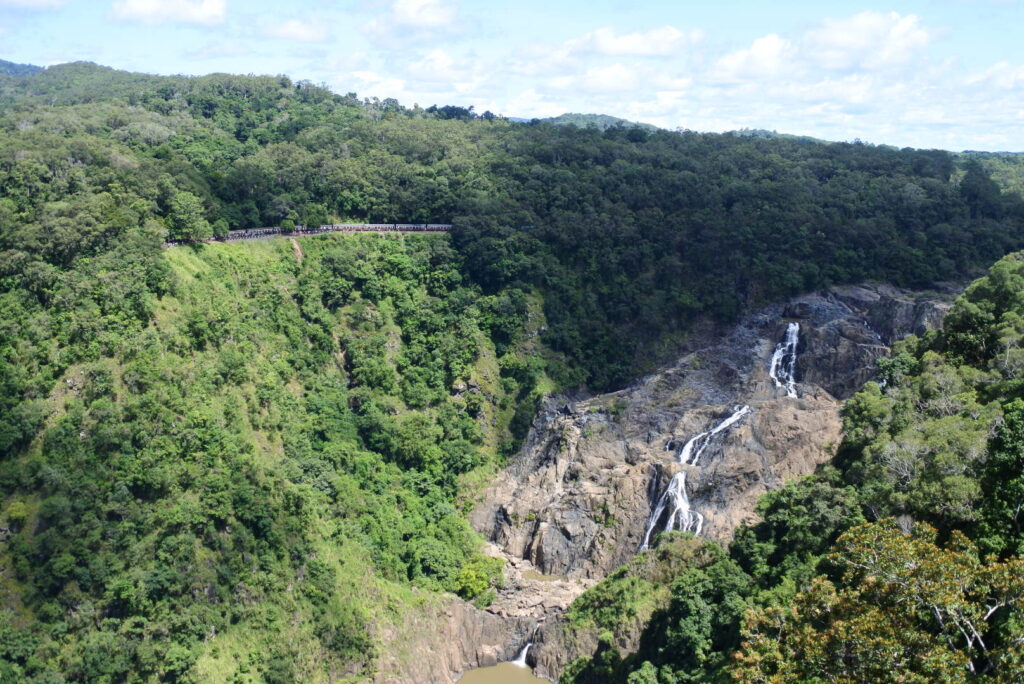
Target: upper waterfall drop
[695, 447]
[682, 516]
[783, 367]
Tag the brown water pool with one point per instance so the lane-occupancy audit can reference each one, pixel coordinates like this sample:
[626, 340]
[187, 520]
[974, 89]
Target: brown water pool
[502, 673]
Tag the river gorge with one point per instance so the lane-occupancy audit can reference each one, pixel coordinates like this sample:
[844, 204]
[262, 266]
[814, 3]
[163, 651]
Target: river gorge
[743, 410]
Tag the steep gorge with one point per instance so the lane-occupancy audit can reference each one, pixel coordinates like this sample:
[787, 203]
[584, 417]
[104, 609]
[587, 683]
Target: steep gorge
[576, 502]
[235, 462]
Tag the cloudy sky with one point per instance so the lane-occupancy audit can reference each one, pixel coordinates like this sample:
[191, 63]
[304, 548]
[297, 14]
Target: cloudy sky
[921, 73]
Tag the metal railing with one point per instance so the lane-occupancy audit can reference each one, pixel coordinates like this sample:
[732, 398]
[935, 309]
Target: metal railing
[272, 231]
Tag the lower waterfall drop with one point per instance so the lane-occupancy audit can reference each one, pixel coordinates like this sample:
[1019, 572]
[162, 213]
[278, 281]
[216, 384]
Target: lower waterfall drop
[520, 660]
[682, 516]
[783, 367]
[696, 446]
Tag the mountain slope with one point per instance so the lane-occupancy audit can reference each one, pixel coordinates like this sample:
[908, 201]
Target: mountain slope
[252, 453]
[221, 461]
[13, 69]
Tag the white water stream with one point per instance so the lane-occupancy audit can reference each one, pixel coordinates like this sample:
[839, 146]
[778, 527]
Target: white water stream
[682, 516]
[520, 660]
[783, 368]
[696, 446]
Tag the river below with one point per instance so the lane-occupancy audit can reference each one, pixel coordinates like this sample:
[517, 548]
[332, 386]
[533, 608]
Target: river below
[502, 673]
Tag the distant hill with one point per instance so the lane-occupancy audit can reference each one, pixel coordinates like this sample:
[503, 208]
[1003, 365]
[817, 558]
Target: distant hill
[13, 69]
[599, 121]
[77, 83]
[1006, 168]
[765, 134]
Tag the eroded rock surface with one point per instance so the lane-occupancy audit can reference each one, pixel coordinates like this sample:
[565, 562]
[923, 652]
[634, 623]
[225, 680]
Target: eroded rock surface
[575, 503]
[445, 638]
[577, 500]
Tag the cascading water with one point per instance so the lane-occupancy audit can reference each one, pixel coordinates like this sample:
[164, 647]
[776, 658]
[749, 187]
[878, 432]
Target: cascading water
[783, 368]
[696, 446]
[682, 516]
[521, 658]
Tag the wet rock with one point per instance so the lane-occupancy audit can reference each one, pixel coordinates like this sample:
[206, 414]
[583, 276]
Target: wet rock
[576, 502]
[445, 637]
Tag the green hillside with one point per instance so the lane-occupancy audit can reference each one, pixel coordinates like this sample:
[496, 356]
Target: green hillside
[234, 462]
[272, 423]
[13, 69]
[601, 122]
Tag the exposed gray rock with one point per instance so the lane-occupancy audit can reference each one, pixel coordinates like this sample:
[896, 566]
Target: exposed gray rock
[855, 325]
[574, 504]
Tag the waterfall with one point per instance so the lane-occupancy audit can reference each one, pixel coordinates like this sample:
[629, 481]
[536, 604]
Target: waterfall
[682, 516]
[696, 446]
[521, 658]
[783, 368]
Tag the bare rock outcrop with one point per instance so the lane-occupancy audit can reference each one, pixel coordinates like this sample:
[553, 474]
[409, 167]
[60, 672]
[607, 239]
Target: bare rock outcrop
[578, 499]
[576, 502]
[446, 636]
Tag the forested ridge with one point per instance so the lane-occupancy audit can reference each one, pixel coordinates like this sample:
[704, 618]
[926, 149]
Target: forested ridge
[632, 233]
[234, 462]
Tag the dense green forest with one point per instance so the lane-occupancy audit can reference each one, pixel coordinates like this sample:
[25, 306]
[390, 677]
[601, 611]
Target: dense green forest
[245, 423]
[629, 234]
[234, 462]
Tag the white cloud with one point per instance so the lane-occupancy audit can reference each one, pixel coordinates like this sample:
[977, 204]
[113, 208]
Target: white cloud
[614, 78]
[33, 4]
[870, 76]
[438, 71]
[296, 29]
[531, 103]
[868, 40]
[671, 83]
[1002, 75]
[207, 12]
[609, 79]
[767, 56]
[423, 13]
[436, 65]
[409, 19]
[658, 42]
[373, 84]
[221, 48]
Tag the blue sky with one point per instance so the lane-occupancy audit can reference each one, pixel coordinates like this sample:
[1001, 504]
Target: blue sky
[921, 73]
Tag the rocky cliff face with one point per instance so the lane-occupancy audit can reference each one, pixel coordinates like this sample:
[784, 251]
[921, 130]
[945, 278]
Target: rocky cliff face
[578, 500]
[444, 638]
